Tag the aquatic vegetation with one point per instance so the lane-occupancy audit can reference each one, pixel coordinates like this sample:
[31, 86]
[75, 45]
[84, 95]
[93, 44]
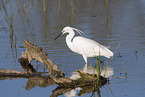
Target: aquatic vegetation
[111, 59]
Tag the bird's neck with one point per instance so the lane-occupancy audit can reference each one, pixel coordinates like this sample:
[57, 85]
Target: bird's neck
[70, 36]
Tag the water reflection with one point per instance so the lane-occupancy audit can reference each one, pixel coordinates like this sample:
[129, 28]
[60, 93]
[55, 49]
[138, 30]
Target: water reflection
[90, 70]
[42, 80]
[93, 70]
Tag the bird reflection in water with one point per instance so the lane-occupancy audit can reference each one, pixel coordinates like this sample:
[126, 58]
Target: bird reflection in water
[90, 70]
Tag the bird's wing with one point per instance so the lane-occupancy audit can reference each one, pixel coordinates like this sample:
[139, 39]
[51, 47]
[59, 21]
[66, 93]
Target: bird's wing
[90, 48]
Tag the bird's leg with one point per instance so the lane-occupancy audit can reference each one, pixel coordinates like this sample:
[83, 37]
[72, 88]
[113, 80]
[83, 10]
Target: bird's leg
[85, 68]
[85, 58]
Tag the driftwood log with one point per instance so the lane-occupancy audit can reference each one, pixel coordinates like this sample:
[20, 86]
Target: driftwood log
[55, 74]
[37, 53]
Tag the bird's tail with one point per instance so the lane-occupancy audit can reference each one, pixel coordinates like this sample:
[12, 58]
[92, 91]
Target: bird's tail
[109, 54]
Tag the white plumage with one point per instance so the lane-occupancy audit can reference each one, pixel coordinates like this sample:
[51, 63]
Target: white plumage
[84, 46]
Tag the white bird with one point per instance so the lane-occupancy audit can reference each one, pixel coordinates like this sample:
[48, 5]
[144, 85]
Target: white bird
[84, 46]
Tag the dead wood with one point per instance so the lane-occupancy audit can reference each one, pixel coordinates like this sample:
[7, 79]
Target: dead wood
[37, 53]
[83, 90]
[41, 81]
[12, 74]
[85, 79]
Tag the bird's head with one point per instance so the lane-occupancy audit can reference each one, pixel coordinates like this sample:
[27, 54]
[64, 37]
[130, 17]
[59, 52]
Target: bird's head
[69, 29]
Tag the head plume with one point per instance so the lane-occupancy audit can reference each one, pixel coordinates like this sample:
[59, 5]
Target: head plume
[79, 31]
[74, 29]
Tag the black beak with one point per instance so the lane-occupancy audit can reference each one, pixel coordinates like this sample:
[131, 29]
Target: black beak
[58, 36]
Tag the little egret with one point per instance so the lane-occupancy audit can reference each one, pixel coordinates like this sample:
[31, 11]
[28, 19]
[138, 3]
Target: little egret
[84, 46]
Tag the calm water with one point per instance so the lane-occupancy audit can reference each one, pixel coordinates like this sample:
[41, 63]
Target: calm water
[108, 22]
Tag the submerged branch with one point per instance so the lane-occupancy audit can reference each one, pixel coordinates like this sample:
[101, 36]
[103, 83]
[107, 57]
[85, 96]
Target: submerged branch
[12, 74]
